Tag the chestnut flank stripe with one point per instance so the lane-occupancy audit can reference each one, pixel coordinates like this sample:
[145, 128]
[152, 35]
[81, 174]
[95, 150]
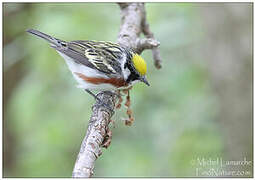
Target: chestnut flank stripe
[117, 82]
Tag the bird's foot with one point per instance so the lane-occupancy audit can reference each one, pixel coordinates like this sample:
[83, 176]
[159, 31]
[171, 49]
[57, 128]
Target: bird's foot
[100, 102]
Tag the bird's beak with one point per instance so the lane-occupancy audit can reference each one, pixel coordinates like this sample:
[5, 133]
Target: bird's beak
[143, 79]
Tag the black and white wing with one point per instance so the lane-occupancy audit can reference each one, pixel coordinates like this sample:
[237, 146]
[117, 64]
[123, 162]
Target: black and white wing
[103, 56]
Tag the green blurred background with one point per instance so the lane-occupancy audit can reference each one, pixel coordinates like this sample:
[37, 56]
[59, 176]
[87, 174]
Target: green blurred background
[198, 107]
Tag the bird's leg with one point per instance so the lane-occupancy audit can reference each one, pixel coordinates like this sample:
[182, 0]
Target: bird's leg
[92, 94]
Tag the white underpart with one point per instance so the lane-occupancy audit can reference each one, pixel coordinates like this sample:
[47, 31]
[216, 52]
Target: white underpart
[89, 72]
[126, 72]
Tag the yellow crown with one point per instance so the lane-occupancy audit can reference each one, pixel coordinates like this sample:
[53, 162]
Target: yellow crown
[140, 64]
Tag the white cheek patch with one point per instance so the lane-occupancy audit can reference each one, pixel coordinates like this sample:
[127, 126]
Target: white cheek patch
[126, 73]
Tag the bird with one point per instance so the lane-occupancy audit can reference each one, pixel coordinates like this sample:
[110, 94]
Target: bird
[99, 65]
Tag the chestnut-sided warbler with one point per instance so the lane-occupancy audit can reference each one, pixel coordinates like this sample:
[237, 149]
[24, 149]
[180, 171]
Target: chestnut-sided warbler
[99, 65]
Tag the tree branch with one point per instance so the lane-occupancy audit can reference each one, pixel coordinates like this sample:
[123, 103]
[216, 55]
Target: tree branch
[155, 51]
[96, 133]
[133, 22]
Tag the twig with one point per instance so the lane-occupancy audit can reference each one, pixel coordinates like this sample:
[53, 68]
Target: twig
[98, 135]
[155, 51]
[133, 23]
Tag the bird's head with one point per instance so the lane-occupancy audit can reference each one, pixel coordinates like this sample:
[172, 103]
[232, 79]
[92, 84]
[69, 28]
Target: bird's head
[137, 68]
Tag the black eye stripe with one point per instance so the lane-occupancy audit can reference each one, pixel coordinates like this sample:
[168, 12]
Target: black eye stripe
[133, 74]
[132, 77]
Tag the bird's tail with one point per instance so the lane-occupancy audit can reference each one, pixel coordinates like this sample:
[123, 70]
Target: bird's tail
[53, 41]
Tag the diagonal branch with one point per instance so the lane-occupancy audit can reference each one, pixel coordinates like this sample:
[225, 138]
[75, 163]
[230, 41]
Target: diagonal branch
[133, 23]
[96, 133]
